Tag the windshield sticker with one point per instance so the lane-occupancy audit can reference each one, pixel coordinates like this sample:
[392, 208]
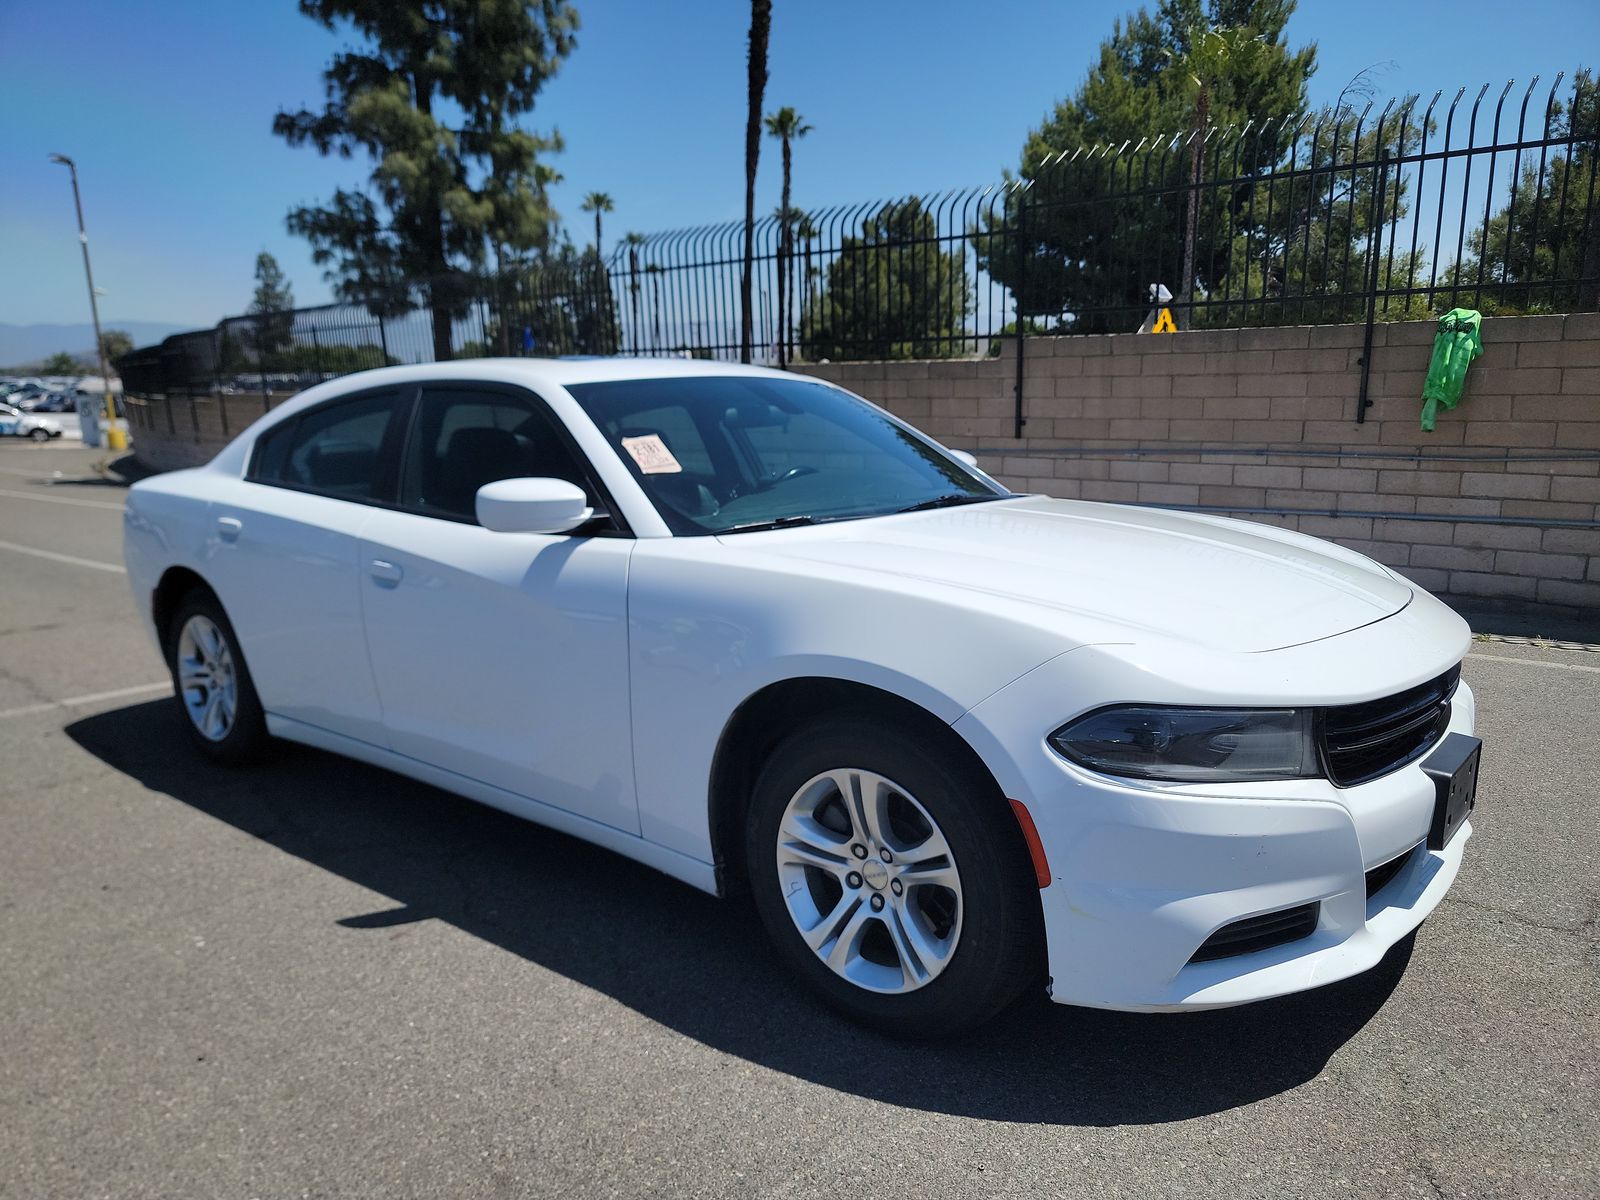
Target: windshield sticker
[652, 455]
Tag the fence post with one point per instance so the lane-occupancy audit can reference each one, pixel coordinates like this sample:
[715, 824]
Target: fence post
[1022, 270]
[1374, 244]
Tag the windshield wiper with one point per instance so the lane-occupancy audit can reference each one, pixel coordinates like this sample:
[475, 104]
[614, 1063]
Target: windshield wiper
[778, 523]
[948, 500]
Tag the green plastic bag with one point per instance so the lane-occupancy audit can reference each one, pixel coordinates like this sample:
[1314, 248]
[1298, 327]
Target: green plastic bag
[1454, 347]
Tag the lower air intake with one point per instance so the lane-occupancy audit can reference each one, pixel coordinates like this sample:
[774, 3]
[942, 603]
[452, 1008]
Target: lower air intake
[1259, 933]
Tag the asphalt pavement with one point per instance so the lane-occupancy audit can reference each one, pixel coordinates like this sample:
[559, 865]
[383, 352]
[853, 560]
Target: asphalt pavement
[314, 978]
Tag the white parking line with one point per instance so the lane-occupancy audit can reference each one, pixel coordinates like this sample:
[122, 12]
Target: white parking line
[1535, 662]
[72, 559]
[77, 701]
[59, 500]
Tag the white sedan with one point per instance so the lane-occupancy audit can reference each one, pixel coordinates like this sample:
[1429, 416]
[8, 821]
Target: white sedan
[759, 634]
[16, 423]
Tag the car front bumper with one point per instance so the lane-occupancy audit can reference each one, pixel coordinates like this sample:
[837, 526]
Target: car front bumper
[1143, 874]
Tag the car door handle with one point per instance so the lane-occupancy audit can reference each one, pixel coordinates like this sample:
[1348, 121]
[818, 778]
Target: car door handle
[229, 528]
[385, 572]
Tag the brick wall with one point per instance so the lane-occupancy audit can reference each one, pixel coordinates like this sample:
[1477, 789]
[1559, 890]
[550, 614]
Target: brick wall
[1501, 501]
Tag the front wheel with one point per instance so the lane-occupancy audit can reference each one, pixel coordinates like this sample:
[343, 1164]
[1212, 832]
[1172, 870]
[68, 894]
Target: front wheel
[892, 878]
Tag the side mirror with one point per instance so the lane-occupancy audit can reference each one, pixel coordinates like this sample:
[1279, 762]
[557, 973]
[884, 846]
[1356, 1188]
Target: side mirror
[532, 506]
[965, 456]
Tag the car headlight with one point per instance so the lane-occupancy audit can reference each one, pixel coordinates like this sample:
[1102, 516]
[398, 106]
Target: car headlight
[1192, 745]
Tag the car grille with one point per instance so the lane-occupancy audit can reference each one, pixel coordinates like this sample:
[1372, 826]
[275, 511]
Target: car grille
[1383, 874]
[1259, 933]
[1366, 740]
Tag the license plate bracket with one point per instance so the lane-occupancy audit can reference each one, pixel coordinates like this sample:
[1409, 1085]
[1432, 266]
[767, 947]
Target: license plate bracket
[1453, 767]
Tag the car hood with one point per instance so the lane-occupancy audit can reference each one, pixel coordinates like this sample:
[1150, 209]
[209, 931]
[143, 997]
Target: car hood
[1230, 585]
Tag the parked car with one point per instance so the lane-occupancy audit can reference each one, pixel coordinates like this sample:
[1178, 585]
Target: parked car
[16, 423]
[760, 635]
[54, 402]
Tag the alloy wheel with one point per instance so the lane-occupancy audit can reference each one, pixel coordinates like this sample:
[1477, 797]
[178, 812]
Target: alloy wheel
[869, 880]
[206, 678]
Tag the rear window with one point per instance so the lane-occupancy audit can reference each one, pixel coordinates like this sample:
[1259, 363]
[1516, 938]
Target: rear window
[336, 450]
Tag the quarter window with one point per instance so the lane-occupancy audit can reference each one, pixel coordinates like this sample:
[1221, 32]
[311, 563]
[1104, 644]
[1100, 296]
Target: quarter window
[336, 449]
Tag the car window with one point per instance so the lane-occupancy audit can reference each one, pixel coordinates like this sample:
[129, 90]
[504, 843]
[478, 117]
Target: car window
[465, 438]
[336, 449]
[719, 454]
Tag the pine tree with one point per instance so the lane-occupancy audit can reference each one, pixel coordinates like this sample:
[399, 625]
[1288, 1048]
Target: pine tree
[440, 197]
[272, 332]
[1070, 252]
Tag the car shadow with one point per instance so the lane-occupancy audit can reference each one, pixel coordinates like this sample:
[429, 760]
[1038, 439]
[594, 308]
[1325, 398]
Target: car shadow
[702, 967]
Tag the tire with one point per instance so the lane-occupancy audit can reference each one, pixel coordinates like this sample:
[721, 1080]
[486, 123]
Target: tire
[39, 435]
[215, 698]
[985, 933]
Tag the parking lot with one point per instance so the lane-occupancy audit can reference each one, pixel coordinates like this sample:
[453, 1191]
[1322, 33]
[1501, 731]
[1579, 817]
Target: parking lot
[316, 978]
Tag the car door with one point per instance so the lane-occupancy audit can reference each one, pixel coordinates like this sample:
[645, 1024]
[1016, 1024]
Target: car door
[285, 560]
[502, 657]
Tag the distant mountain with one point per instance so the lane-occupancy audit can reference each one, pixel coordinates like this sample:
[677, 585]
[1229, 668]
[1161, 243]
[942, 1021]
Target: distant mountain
[23, 344]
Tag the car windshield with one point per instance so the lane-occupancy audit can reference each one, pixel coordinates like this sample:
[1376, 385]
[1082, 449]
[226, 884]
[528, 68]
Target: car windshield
[727, 454]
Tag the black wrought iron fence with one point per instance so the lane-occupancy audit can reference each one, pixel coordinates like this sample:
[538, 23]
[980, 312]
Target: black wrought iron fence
[1340, 216]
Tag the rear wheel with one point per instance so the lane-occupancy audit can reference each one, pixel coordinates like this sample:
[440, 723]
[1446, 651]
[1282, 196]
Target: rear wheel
[39, 434]
[892, 879]
[215, 695]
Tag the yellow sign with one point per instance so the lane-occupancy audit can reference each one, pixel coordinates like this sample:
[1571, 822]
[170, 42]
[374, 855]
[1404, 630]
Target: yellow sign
[1165, 323]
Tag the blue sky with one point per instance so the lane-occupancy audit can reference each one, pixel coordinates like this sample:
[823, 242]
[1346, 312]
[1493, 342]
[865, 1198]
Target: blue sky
[167, 107]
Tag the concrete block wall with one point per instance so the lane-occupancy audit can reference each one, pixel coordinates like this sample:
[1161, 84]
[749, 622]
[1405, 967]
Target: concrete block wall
[1500, 502]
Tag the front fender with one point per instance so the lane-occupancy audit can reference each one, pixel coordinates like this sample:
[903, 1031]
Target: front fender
[708, 629]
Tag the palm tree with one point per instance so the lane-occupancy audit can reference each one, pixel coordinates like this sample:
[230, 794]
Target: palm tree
[806, 233]
[760, 27]
[633, 241]
[654, 269]
[1211, 55]
[597, 203]
[785, 125]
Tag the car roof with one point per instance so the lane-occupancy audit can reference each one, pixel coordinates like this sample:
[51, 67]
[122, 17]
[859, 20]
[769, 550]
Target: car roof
[564, 371]
[529, 372]
[584, 370]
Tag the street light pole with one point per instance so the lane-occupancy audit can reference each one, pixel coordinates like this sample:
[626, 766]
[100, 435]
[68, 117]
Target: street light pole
[114, 436]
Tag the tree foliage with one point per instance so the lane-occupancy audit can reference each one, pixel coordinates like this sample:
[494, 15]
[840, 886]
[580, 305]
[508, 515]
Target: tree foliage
[1071, 253]
[597, 203]
[891, 293]
[553, 304]
[1549, 227]
[430, 92]
[59, 363]
[114, 343]
[272, 306]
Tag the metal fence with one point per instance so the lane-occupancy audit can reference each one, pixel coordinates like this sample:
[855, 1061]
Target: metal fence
[1340, 216]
